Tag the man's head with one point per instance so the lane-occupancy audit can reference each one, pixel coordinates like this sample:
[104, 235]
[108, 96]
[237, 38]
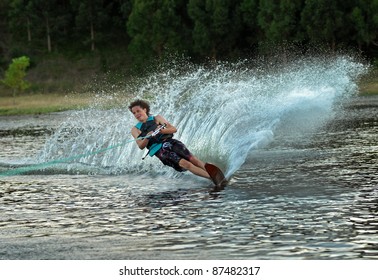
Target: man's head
[141, 103]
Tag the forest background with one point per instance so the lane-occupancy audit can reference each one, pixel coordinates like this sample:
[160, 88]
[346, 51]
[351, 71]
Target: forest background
[72, 42]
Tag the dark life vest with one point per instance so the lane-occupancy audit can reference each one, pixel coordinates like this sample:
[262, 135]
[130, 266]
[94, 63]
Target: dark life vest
[154, 143]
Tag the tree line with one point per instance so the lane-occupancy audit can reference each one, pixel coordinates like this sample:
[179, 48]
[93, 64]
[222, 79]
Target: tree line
[200, 29]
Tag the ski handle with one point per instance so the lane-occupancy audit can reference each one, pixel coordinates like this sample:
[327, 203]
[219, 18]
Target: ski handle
[156, 132]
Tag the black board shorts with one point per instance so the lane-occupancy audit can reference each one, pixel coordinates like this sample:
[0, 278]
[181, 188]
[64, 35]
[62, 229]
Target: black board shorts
[172, 152]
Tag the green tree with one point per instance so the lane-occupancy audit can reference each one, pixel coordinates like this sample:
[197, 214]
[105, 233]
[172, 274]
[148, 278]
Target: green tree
[4, 34]
[21, 19]
[14, 76]
[201, 32]
[280, 20]
[252, 32]
[90, 17]
[323, 20]
[139, 28]
[45, 13]
[364, 23]
[37, 20]
[157, 26]
[217, 26]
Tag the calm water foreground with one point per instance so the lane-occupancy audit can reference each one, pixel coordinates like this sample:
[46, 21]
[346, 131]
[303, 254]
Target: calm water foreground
[316, 198]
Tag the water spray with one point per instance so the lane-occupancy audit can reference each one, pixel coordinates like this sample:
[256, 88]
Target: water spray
[222, 113]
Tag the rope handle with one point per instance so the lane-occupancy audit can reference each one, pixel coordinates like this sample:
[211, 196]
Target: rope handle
[156, 132]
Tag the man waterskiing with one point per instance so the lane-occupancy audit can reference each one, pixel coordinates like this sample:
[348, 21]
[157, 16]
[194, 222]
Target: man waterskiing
[160, 142]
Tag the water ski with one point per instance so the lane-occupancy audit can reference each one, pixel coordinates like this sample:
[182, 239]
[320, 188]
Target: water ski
[216, 175]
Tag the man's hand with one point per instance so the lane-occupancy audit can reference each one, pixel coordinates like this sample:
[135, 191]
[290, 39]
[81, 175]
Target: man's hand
[157, 131]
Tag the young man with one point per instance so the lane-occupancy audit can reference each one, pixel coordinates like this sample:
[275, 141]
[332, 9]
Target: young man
[170, 151]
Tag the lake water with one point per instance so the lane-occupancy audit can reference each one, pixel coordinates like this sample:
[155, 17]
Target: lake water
[302, 162]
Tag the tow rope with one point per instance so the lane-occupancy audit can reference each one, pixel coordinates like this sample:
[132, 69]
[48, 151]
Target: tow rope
[44, 165]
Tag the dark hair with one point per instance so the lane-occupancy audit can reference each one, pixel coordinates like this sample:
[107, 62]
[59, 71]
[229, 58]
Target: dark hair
[143, 104]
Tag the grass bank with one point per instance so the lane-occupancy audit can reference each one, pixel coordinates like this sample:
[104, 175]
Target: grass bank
[369, 84]
[42, 103]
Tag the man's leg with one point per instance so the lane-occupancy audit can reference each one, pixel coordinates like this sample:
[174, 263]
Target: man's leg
[197, 162]
[188, 165]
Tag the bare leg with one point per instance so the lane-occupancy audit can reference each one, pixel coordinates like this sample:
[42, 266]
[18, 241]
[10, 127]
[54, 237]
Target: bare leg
[188, 165]
[197, 162]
